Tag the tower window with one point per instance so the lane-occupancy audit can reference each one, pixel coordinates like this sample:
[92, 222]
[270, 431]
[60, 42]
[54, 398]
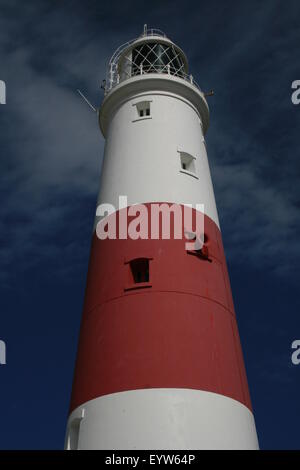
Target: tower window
[143, 109]
[140, 270]
[138, 274]
[188, 164]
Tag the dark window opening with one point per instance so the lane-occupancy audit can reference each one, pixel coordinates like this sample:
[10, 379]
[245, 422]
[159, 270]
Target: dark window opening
[143, 109]
[187, 162]
[140, 270]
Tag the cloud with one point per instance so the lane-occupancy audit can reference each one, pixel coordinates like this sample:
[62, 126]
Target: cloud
[51, 145]
[52, 148]
[252, 141]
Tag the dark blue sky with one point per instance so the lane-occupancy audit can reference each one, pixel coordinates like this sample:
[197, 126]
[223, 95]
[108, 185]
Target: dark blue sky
[50, 157]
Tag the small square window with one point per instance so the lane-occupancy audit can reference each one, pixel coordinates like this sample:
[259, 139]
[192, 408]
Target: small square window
[187, 163]
[140, 270]
[138, 274]
[143, 109]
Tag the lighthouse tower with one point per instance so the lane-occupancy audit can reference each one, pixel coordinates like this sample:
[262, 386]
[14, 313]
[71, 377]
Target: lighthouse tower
[159, 363]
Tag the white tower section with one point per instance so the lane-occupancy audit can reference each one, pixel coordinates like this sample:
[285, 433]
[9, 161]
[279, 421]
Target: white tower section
[154, 118]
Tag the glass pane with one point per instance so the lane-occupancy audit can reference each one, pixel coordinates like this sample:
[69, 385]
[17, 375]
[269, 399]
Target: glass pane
[156, 58]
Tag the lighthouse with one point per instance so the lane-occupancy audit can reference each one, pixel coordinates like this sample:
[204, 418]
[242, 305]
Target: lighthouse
[159, 362]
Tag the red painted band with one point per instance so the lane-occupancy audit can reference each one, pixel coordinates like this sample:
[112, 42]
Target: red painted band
[178, 331]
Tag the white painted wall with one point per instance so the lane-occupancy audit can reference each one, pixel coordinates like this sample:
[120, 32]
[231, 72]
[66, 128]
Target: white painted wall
[164, 419]
[141, 158]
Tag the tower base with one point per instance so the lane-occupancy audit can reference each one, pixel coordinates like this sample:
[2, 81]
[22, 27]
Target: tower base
[179, 419]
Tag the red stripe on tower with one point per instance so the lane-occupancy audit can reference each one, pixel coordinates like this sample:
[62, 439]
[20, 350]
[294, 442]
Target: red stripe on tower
[173, 328]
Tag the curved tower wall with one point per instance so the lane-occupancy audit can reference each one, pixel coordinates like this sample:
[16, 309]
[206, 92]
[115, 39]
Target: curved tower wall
[159, 362]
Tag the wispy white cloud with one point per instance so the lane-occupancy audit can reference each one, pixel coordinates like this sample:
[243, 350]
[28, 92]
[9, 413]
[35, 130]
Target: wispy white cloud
[52, 146]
